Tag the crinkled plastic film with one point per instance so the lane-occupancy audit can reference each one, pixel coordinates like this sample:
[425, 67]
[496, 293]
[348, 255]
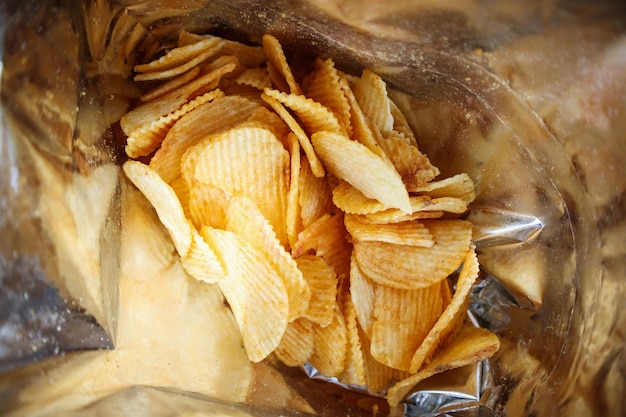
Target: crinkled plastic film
[497, 91]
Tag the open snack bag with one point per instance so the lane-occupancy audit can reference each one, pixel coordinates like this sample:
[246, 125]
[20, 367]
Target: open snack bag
[311, 208]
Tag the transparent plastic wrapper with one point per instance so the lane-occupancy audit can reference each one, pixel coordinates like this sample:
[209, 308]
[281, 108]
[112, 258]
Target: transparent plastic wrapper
[528, 100]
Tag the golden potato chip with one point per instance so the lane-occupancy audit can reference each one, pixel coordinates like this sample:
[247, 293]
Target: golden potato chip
[165, 202]
[307, 147]
[327, 237]
[400, 124]
[378, 377]
[354, 370]
[147, 138]
[171, 85]
[201, 262]
[458, 186]
[402, 319]
[314, 197]
[180, 187]
[254, 291]
[470, 346]
[362, 293]
[293, 220]
[361, 131]
[312, 115]
[277, 65]
[331, 345]
[249, 55]
[215, 116]
[258, 78]
[367, 172]
[249, 162]
[296, 346]
[245, 218]
[352, 201]
[450, 321]
[412, 233]
[324, 88]
[423, 208]
[224, 61]
[371, 93]
[178, 56]
[182, 68]
[208, 205]
[413, 166]
[267, 119]
[322, 281]
[414, 267]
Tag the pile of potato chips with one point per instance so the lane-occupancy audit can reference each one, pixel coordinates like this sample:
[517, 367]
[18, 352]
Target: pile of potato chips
[303, 195]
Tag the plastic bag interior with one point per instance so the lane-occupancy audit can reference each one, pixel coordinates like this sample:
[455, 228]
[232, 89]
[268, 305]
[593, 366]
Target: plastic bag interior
[505, 95]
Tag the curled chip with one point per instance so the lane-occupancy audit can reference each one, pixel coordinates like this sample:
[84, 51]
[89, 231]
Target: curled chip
[300, 192]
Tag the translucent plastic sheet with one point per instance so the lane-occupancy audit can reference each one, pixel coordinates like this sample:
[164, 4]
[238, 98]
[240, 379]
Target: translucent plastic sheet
[529, 100]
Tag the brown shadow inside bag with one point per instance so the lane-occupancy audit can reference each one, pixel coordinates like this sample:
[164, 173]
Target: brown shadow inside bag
[100, 245]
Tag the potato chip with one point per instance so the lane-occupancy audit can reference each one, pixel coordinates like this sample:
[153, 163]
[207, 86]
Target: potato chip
[147, 138]
[247, 162]
[378, 377]
[422, 208]
[220, 114]
[314, 197]
[201, 262]
[471, 345]
[451, 319]
[322, 281]
[361, 131]
[371, 93]
[244, 218]
[414, 267]
[324, 88]
[458, 186]
[254, 291]
[362, 293]
[400, 123]
[180, 69]
[180, 187]
[331, 345]
[354, 369]
[271, 121]
[327, 237]
[412, 233]
[313, 116]
[316, 165]
[413, 166]
[402, 319]
[352, 201]
[293, 220]
[367, 172]
[165, 202]
[258, 78]
[178, 56]
[171, 85]
[296, 346]
[249, 56]
[277, 65]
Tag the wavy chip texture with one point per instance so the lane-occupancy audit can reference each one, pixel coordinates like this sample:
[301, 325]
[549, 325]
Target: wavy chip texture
[301, 193]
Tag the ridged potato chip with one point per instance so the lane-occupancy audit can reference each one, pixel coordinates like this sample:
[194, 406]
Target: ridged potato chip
[208, 205]
[313, 116]
[367, 172]
[414, 267]
[322, 281]
[314, 197]
[354, 369]
[471, 345]
[165, 202]
[249, 162]
[423, 207]
[258, 78]
[249, 55]
[255, 292]
[277, 65]
[305, 142]
[177, 56]
[245, 218]
[331, 345]
[296, 346]
[180, 69]
[378, 377]
[402, 319]
[371, 93]
[450, 321]
[171, 85]
[458, 186]
[293, 220]
[363, 294]
[324, 88]
[412, 233]
[201, 262]
[220, 114]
